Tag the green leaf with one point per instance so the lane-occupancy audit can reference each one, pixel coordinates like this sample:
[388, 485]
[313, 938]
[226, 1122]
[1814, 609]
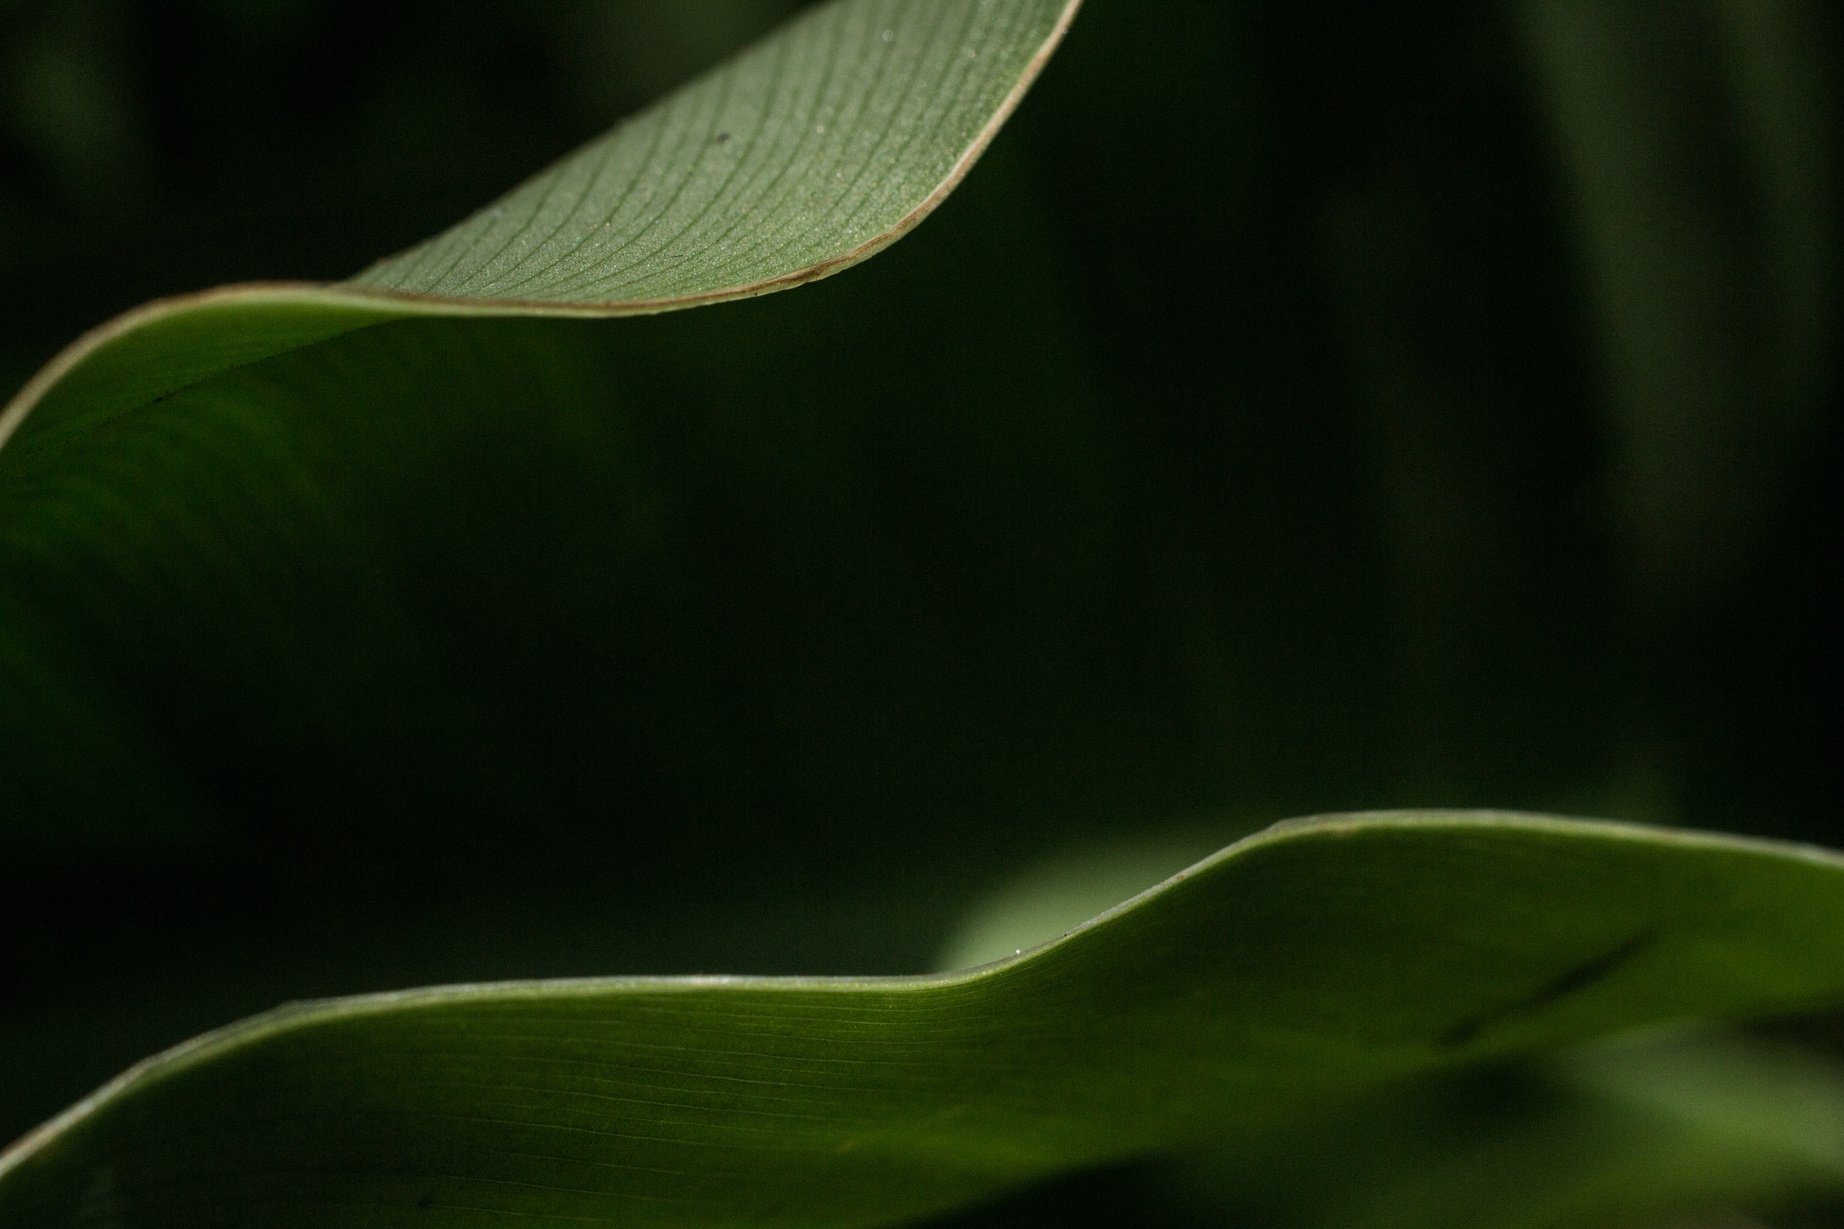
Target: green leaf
[820, 146]
[241, 522]
[1311, 962]
[1635, 1134]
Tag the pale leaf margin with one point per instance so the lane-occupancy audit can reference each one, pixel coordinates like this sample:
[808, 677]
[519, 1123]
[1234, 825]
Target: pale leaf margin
[272, 318]
[1763, 923]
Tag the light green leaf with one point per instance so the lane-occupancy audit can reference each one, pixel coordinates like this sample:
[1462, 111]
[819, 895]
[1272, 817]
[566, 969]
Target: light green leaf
[825, 143]
[1313, 961]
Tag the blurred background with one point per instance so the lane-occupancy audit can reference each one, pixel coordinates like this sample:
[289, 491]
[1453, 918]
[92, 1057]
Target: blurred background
[1304, 407]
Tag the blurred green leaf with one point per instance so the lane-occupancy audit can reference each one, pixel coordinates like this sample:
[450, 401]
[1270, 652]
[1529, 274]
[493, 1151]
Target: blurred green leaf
[1317, 960]
[1695, 150]
[1059, 893]
[1636, 1134]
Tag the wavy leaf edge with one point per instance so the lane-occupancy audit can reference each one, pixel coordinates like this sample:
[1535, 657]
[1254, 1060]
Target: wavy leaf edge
[258, 1028]
[376, 305]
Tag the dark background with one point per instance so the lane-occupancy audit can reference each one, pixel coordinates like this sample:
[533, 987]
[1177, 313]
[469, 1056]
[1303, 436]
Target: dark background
[1304, 407]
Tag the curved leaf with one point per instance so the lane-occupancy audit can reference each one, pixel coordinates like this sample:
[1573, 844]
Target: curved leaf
[823, 144]
[1313, 960]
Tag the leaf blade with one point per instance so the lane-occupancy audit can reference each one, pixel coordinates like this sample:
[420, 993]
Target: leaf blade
[1305, 963]
[604, 255]
[902, 101]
